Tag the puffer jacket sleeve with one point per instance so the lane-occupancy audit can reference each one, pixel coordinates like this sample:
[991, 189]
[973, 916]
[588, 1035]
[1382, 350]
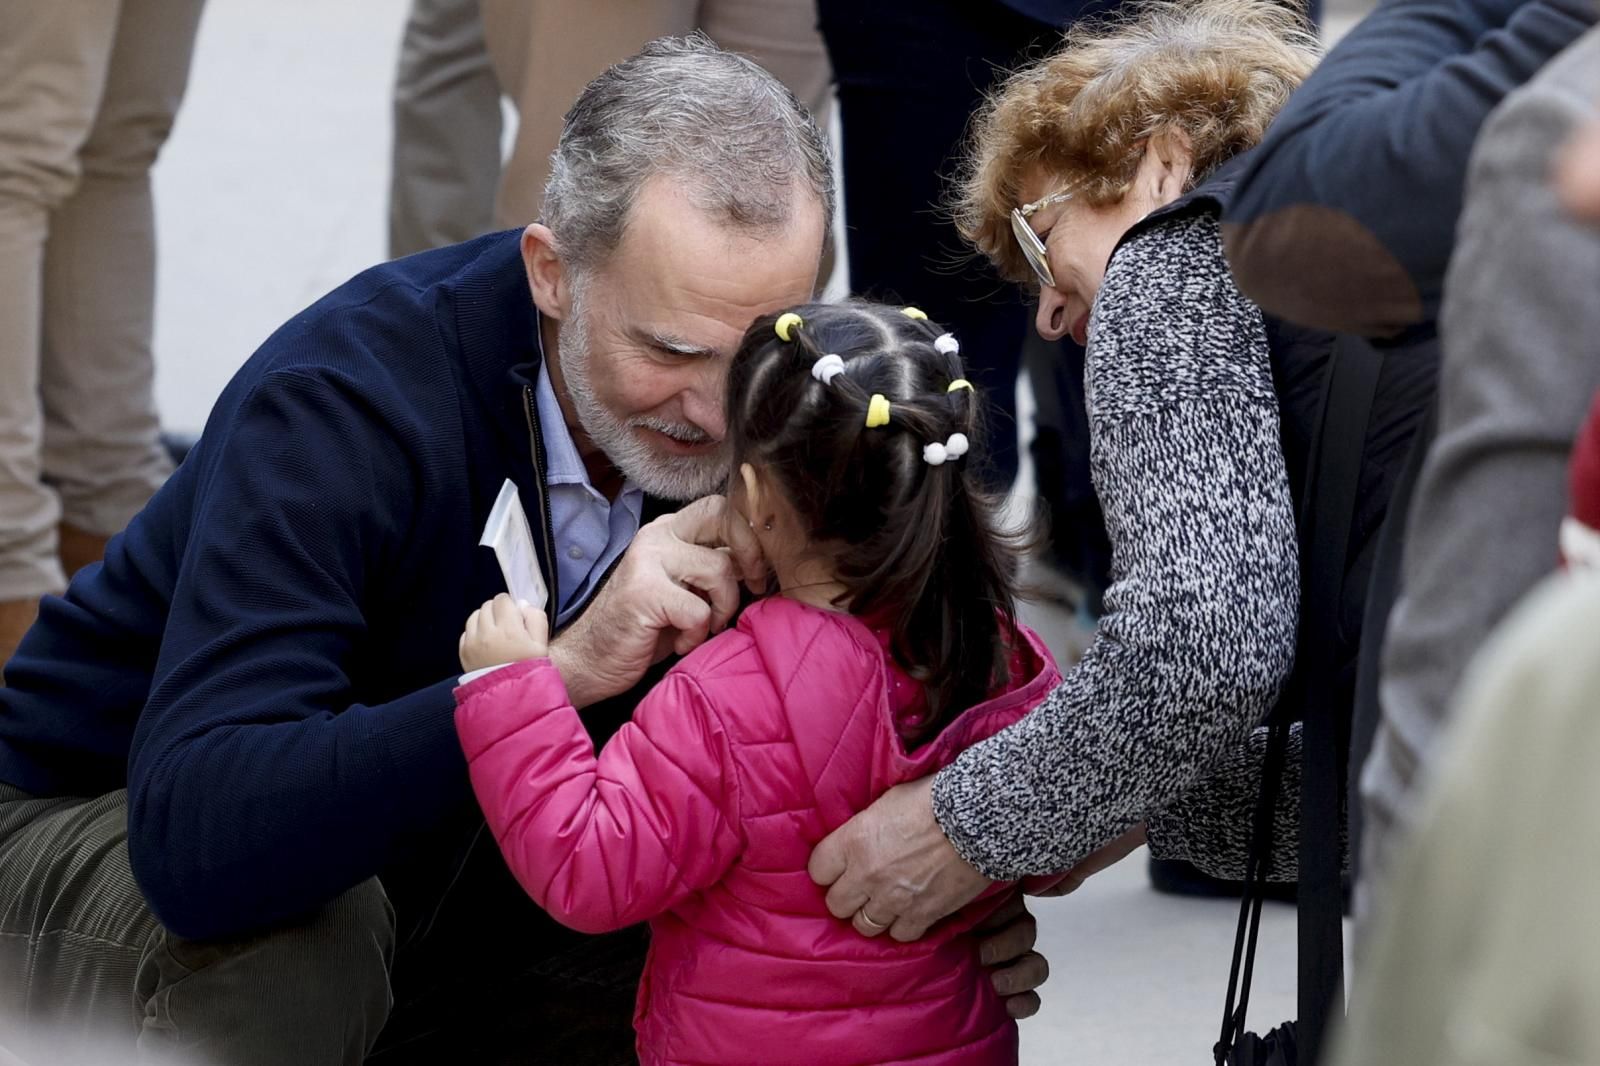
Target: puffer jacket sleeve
[601, 842]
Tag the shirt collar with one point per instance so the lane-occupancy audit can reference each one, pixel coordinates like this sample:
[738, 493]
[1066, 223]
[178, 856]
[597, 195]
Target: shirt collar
[562, 463]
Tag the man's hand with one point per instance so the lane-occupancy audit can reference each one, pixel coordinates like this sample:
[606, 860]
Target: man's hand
[892, 869]
[504, 631]
[677, 584]
[1007, 949]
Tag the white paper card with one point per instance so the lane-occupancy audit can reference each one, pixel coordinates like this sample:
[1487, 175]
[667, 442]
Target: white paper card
[507, 533]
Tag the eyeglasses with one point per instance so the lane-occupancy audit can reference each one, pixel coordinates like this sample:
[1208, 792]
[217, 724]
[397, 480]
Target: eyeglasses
[1033, 249]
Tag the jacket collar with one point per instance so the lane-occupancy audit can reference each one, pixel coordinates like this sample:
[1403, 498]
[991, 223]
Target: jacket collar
[487, 312]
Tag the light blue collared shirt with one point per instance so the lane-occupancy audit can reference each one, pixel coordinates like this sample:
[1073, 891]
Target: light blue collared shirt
[590, 531]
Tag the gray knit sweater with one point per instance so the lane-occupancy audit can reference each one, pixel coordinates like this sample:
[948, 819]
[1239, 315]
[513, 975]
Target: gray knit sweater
[1159, 720]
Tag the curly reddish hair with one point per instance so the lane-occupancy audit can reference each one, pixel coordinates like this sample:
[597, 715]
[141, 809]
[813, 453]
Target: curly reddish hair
[1215, 72]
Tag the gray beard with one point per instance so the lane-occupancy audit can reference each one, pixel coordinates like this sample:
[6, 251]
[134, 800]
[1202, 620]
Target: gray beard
[669, 477]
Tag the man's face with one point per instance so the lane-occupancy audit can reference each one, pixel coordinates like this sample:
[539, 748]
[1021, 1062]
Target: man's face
[645, 344]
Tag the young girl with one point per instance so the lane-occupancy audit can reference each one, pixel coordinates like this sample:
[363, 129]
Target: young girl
[890, 647]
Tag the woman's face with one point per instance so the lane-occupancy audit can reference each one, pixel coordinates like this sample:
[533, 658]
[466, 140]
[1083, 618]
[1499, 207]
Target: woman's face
[1079, 238]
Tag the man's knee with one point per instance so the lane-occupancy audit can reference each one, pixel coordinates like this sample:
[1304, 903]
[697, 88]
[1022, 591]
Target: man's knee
[315, 991]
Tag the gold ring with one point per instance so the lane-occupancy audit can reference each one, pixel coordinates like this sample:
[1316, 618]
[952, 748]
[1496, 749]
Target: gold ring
[877, 926]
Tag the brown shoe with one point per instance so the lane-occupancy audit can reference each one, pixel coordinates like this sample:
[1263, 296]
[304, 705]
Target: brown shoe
[15, 618]
[78, 549]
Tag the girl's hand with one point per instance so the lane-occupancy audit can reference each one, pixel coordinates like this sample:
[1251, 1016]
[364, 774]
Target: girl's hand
[504, 631]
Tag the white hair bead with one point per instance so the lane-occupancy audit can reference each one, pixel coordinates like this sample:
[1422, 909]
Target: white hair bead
[956, 446]
[946, 344]
[827, 368]
[933, 454]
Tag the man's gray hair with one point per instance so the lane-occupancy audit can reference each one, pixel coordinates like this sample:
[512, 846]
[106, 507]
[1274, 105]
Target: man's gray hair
[730, 132]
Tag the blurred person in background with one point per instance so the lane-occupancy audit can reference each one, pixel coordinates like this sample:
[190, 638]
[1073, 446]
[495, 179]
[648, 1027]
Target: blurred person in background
[445, 161]
[911, 73]
[1483, 948]
[458, 57]
[88, 93]
[1334, 227]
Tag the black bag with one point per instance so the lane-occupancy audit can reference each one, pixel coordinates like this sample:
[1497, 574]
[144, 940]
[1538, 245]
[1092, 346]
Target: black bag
[1327, 513]
[1277, 1048]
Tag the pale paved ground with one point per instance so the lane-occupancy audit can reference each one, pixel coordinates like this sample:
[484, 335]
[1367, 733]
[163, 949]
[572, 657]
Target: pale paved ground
[273, 190]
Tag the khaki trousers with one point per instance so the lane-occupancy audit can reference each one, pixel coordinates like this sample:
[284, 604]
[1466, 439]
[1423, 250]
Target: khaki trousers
[545, 51]
[446, 160]
[88, 91]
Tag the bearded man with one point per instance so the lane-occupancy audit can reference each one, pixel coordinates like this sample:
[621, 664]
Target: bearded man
[234, 817]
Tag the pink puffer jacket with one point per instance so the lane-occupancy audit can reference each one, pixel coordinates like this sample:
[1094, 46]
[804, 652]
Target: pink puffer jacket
[700, 816]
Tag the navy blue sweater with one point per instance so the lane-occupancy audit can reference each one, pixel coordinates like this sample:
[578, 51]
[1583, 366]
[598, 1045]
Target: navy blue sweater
[266, 657]
[1346, 216]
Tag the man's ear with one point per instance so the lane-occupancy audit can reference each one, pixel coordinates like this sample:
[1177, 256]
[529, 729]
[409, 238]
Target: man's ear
[548, 279]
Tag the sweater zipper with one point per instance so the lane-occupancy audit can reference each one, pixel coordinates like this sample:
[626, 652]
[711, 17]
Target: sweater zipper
[536, 444]
[552, 584]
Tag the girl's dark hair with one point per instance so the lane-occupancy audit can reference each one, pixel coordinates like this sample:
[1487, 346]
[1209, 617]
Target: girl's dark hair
[919, 546]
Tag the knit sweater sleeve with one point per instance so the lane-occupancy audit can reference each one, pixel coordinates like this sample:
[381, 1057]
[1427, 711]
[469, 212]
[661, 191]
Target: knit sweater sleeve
[1210, 825]
[1199, 629]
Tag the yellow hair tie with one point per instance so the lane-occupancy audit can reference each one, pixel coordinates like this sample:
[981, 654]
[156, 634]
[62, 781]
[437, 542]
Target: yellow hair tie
[913, 312]
[786, 322]
[960, 383]
[877, 411]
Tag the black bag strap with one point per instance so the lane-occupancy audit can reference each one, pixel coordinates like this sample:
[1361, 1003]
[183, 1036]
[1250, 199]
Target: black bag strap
[1256, 866]
[1328, 509]
[1320, 895]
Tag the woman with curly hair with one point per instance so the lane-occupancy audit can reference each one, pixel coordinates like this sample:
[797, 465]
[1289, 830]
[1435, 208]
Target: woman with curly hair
[1098, 175]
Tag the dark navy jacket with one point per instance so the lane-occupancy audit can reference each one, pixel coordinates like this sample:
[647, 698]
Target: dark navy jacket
[1346, 216]
[266, 658]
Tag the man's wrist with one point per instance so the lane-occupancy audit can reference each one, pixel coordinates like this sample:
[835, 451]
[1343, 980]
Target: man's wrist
[568, 661]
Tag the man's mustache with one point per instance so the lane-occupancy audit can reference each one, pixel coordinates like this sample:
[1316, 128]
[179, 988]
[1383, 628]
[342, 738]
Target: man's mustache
[683, 434]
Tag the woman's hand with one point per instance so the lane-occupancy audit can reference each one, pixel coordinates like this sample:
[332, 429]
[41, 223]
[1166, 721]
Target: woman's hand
[504, 631]
[891, 868]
